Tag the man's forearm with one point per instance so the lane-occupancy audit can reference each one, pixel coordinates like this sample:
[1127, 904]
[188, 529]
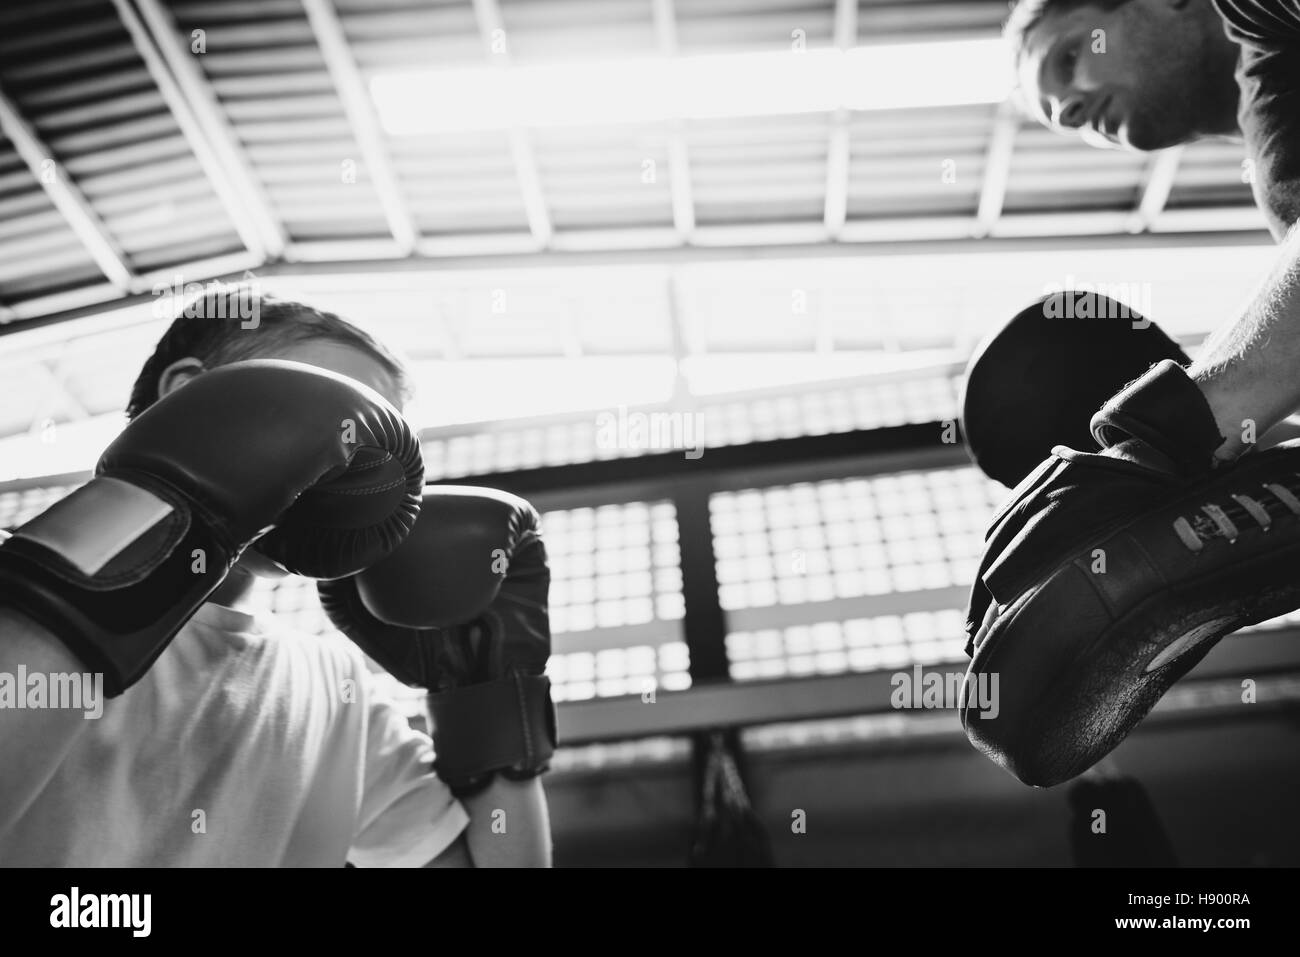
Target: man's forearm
[33, 741]
[1250, 370]
[509, 825]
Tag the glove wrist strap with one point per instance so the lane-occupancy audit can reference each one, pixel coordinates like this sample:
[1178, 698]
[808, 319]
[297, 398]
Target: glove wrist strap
[114, 570]
[507, 725]
[1165, 409]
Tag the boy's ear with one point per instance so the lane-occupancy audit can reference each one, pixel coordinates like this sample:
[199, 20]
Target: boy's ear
[177, 374]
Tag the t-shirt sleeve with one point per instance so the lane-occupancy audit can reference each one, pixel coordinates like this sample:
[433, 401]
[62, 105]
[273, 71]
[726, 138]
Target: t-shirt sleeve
[408, 816]
[1269, 77]
[1261, 21]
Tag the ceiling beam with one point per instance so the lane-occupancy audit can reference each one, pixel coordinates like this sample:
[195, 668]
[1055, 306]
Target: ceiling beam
[1159, 177]
[351, 89]
[57, 397]
[686, 340]
[997, 169]
[446, 333]
[60, 308]
[1021, 232]
[836, 209]
[229, 197]
[679, 165]
[1027, 231]
[492, 30]
[568, 333]
[254, 203]
[66, 197]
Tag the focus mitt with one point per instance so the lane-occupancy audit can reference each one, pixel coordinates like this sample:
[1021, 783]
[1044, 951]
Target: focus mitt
[1106, 577]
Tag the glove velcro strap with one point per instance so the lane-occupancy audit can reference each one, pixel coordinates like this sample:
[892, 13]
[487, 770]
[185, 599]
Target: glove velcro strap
[508, 724]
[114, 570]
[1165, 409]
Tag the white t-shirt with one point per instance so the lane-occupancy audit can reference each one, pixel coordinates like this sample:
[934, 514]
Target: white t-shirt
[243, 747]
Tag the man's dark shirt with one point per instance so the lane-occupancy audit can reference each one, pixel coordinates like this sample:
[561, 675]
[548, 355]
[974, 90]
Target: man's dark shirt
[1268, 74]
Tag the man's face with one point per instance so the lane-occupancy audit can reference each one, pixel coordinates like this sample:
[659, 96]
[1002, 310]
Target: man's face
[1127, 77]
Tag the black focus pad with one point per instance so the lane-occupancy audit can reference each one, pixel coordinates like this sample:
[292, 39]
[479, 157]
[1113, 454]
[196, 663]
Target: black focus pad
[1037, 381]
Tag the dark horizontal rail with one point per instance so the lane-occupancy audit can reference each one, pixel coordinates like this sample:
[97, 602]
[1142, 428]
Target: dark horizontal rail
[870, 451]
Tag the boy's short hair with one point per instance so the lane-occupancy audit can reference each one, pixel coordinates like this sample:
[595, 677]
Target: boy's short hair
[234, 323]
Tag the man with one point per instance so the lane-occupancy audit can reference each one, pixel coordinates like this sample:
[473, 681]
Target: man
[242, 744]
[1150, 74]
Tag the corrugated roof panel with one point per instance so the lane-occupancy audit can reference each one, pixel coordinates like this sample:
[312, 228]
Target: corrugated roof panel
[540, 30]
[26, 211]
[706, 26]
[77, 90]
[215, 10]
[917, 162]
[391, 35]
[769, 169]
[74, 73]
[75, 76]
[1054, 173]
[128, 158]
[927, 20]
[38, 250]
[460, 183]
[1212, 174]
[175, 169]
[599, 177]
[69, 267]
[328, 193]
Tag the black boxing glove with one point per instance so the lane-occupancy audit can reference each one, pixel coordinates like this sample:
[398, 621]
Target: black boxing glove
[459, 609]
[1163, 421]
[119, 565]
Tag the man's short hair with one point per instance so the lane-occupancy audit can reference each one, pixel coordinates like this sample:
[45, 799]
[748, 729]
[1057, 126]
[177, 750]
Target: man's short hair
[1027, 14]
[213, 329]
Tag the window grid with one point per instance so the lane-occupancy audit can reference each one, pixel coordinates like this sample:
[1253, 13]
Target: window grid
[607, 757]
[727, 421]
[788, 545]
[612, 567]
[840, 647]
[17, 507]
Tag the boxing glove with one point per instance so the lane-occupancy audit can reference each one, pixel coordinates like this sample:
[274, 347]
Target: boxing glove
[459, 609]
[119, 565]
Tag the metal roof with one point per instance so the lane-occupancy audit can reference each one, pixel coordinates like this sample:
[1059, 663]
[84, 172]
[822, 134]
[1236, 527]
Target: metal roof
[126, 154]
